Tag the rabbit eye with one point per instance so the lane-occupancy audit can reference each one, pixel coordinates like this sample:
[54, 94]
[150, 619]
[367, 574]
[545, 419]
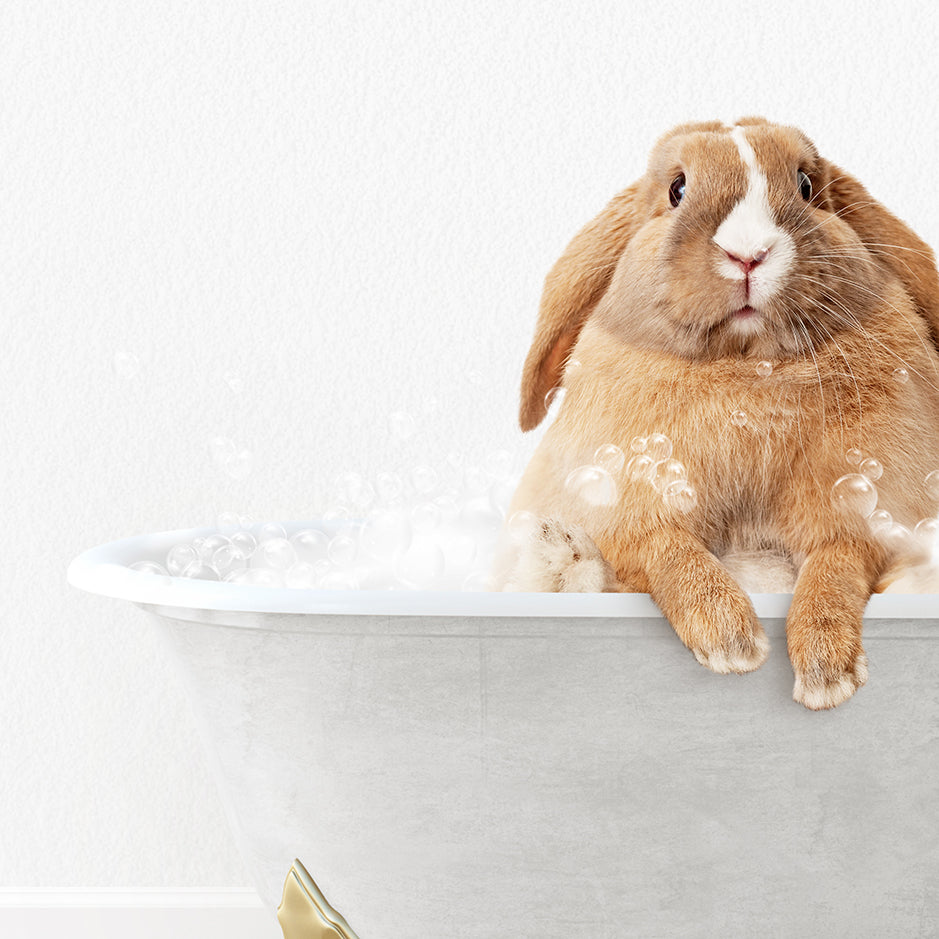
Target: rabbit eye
[676, 191]
[805, 185]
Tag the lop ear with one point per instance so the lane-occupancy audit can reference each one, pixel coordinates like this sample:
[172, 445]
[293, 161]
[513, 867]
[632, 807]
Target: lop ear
[891, 241]
[572, 289]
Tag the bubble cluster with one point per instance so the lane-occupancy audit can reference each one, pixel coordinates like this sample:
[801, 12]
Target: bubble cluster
[856, 494]
[653, 463]
[420, 532]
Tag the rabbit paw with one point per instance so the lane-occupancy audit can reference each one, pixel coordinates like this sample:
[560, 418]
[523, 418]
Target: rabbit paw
[559, 558]
[820, 687]
[743, 650]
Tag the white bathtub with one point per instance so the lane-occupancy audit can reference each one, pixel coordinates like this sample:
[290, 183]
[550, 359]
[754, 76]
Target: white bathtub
[544, 766]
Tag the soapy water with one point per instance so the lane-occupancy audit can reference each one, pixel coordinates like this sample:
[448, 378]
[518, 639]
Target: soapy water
[437, 526]
[434, 528]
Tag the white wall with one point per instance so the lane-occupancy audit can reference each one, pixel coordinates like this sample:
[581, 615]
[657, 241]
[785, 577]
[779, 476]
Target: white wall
[350, 208]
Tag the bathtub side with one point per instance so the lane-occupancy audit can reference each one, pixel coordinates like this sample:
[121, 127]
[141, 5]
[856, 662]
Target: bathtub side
[473, 777]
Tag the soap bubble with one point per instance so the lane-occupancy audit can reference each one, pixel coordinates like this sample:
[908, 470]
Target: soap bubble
[593, 484]
[879, 520]
[222, 448]
[244, 542]
[271, 530]
[764, 369]
[402, 425]
[932, 485]
[872, 469]
[522, 525]
[853, 456]
[300, 576]
[200, 572]
[233, 461]
[666, 472]
[659, 447]
[182, 558]
[227, 558]
[342, 549]
[234, 381]
[901, 376]
[263, 577]
[421, 564]
[854, 494]
[310, 545]
[640, 466]
[897, 539]
[149, 567]
[739, 417]
[680, 495]
[125, 364]
[207, 546]
[385, 534]
[927, 531]
[277, 553]
[610, 458]
[638, 444]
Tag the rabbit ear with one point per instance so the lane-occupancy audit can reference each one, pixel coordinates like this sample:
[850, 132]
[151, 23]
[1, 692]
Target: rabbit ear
[890, 241]
[572, 289]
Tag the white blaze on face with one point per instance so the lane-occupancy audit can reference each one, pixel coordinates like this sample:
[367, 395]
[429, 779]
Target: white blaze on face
[750, 231]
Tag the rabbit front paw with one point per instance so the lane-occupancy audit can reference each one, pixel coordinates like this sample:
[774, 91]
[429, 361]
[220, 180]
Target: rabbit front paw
[819, 686]
[558, 558]
[741, 649]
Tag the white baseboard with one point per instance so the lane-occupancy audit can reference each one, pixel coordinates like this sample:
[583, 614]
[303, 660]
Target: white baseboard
[141, 914]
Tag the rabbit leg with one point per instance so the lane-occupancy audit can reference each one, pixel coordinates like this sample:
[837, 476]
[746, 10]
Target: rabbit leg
[823, 628]
[709, 611]
[558, 558]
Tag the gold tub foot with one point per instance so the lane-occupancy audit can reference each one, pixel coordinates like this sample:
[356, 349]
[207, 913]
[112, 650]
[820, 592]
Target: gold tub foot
[304, 912]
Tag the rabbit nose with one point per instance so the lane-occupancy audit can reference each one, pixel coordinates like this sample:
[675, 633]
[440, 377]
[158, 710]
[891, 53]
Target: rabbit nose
[748, 263]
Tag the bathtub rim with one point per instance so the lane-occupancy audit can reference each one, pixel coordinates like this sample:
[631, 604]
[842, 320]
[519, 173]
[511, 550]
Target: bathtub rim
[103, 570]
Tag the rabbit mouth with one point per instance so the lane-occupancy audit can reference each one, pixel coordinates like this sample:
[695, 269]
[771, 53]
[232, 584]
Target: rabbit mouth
[745, 312]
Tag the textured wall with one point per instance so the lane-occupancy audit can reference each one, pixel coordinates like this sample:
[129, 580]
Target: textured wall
[299, 218]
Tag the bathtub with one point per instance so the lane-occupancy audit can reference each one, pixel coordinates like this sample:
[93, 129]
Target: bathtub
[540, 766]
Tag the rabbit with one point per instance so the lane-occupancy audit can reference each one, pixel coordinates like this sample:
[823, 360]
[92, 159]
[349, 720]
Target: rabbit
[747, 305]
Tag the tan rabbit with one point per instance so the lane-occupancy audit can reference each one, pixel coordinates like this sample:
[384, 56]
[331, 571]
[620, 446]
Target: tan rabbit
[749, 307]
